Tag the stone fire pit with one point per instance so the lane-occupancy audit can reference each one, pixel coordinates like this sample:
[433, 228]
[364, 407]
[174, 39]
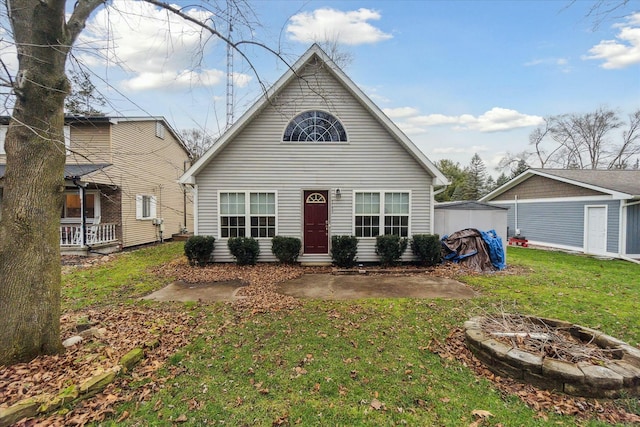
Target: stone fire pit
[504, 353]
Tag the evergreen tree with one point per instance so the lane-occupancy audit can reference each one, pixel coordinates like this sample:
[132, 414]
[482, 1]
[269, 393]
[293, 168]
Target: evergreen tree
[502, 179]
[476, 182]
[456, 175]
[520, 167]
[490, 185]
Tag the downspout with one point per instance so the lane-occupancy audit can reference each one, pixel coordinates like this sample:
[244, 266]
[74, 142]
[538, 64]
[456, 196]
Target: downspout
[516, 215]
[184, 199]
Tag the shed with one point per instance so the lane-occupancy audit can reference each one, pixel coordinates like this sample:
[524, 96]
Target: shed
[450, 217]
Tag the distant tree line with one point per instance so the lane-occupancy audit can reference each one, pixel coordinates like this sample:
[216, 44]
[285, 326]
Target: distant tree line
[471, 182]
[595, 140]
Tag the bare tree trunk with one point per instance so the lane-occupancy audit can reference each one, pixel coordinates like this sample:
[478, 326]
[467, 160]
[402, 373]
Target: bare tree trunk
[34, 183]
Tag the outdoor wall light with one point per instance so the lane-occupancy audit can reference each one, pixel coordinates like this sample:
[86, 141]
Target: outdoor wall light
[338, 194]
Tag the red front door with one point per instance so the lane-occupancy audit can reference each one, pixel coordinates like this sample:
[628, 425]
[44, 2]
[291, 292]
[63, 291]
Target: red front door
[316, 216]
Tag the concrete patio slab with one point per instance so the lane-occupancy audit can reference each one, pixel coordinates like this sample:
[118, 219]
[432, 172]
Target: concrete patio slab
[345, 287]
[207, 292]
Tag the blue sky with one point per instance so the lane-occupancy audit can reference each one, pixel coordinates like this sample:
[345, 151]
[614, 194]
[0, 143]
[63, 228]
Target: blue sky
[458, 77]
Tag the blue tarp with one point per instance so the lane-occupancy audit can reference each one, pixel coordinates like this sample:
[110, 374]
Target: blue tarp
[479, 250]
[496, 251]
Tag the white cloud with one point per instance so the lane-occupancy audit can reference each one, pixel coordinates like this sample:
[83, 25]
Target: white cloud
[461, 150]
[322, 25]
[622, 52]
[561, 63]
[397, 113]
[495, 120]
[8, 53]
[160, 49]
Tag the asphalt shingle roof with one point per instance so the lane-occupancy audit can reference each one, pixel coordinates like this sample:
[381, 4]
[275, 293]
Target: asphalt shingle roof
[624, 181]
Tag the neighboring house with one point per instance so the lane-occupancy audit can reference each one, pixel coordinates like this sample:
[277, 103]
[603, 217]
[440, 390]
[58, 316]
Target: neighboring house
[313, 158]
[591, 211]
[121, 186]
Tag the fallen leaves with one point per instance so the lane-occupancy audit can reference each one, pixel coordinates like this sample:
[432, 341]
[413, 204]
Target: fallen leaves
[126, 327]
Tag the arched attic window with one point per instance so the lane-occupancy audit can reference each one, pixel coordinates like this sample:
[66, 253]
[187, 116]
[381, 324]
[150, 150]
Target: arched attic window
[315, 126]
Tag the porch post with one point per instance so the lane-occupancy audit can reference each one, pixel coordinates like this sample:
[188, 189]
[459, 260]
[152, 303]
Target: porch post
[83, 218]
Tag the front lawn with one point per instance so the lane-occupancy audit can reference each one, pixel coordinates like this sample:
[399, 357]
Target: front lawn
[366, 362]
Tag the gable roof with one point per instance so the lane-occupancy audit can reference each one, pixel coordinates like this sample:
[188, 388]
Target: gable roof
[314, 52]
[620, 184]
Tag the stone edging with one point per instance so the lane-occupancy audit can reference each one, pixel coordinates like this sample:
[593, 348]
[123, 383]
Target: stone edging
[620, 377]
[46, 403]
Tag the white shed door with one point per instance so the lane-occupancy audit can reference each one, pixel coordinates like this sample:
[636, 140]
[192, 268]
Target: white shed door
[596, 230]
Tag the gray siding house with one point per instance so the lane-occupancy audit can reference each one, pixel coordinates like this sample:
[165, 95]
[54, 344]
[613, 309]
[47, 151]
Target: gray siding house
[313, 158]
[592, 211]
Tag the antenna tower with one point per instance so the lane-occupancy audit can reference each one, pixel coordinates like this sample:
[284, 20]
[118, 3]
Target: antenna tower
[229, 69]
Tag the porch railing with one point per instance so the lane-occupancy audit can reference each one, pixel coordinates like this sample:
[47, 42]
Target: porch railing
[71, 234]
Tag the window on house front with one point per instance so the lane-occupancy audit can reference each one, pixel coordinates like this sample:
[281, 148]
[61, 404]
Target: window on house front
[72, 206]
[375, 208]
[263, 214]
[145, 206]
[247, 214]
[367, 214]
[232, 215]
[396, 214]
[315, 126]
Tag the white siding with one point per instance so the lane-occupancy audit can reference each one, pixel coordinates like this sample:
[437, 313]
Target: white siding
[258, 160]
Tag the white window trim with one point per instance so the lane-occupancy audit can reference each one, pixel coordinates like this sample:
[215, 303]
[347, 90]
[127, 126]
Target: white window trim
[66, 131]
[247, 212]
[96, 207]
[381, 214]
[152, 208]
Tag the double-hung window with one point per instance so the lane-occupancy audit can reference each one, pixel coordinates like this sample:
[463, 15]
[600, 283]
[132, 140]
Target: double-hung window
[247, 214]
[396, 214]
[232, 215]
[367, 214]
[145, 206]
[379, 213]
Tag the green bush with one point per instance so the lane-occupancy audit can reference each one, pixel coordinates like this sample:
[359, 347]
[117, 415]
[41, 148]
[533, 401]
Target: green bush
[390, 248]
[244, 249]
[198, 249]
[286, 249]
[427, 248]
[344, 250]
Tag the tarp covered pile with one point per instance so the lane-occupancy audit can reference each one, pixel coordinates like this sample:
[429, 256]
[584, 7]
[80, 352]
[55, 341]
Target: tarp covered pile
[477, 250]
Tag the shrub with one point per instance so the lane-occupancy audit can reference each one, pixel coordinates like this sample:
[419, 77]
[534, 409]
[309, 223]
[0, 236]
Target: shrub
[198, 249]
[244, 249]
[344, 250]
[427, 248]
[390, 248]
[286, 249]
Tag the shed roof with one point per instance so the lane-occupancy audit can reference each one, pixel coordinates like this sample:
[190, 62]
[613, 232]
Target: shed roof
[311, 54]
[621, 184]
[468, 205]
